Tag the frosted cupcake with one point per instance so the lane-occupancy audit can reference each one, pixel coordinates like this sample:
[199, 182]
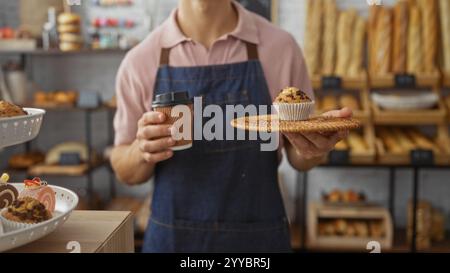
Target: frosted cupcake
[293, 105]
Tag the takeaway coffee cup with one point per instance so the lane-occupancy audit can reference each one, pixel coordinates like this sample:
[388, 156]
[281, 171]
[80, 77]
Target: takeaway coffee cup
[164, 103]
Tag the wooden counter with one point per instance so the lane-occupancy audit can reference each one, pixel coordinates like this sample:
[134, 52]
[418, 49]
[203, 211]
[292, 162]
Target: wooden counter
[88, 232]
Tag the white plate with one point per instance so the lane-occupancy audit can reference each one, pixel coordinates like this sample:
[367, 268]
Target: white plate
[66, 201]
[17, 130]
[409, 101]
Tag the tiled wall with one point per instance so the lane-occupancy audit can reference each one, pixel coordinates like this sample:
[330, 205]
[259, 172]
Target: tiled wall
[96, 73]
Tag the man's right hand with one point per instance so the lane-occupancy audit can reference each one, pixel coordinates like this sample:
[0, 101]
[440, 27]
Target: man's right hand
[154, 138]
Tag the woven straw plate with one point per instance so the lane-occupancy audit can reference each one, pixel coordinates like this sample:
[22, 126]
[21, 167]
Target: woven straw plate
[271, 123]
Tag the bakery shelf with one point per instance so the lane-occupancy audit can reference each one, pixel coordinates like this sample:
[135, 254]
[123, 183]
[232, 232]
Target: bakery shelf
[363, 114]
[70, 171]
[349, 83]
[402, 159]
[431, 80]
[446, 79]
[318, 211]
[414, 117]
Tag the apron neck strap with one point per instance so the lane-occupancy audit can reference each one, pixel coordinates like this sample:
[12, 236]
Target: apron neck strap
[252, 53]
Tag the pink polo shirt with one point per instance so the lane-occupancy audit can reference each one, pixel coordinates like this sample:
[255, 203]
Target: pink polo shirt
[280, 56]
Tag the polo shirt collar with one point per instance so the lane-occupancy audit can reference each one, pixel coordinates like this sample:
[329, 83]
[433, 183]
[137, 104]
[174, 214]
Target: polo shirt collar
[245, 30]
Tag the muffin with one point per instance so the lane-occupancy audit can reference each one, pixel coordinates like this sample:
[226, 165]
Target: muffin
[8, 110]
[293, 105]
[24, 212]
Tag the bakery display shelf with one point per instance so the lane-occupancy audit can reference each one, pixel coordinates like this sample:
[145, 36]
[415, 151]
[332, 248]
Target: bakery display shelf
[321, 212]
[404, 159]
[363, 114]
[66, 108]
[437, 115]
[70, 171]
[430, 80]
[446, 79]
[365, 157]
[346, 82]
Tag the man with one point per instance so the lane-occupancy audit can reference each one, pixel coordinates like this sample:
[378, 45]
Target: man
[219, 196]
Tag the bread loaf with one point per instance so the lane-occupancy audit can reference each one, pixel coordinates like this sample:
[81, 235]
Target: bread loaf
[383, 42]
[358, 44]
[429, 17]
[344, 38]
[356, 143]
[400, 37]
[390, 142]
[444, 8]
[329, 102]
[414, 61]
[313, 36]
[372, 24]
[329, 37]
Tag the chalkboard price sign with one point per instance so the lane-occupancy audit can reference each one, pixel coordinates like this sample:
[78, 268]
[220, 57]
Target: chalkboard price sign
[341, 157]
[422, 157]
[331, 82]
[405, 81]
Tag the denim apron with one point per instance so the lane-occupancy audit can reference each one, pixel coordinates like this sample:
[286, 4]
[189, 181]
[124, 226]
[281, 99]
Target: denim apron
[219, 196]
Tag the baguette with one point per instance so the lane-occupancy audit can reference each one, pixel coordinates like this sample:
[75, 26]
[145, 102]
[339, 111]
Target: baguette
[414, 61]
[400, 37]
[358, 42]
[390, 142]
[344, 38]
[329, 37]
[429, 17]
[444, 7]
[422, 141]
[373, 19]
[313, 36]
[356, 143]
[383, 42]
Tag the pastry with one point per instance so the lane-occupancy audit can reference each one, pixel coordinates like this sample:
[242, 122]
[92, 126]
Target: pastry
[405, 143]
[400, 41]
[390, 142]
[293, 104]
[27, 210]
[383, 42]
[340, 227]
[349, 101]
[329, 37]
[70, 38]
[356, 143]
[8, 110]
[8, 193]
[68, 18]
[40, 191]
[351, 229]
[334, 197]
[444, 8]
[351, 197]
[358, 48]
[414, 60]
[344, 38]
[69, 29]
[64, 46]
[329, 102]
[362, 230]
[313, 36]
[26, 160]
[55, 153]
[376, 229]
[429, 16]
[422, 141]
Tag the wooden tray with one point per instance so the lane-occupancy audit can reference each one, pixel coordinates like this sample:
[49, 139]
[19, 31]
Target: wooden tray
[348, 83]
[271, 123]
[319, 210]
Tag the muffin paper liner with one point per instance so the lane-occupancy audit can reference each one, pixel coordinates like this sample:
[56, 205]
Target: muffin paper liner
[10, 226]
[294, 111]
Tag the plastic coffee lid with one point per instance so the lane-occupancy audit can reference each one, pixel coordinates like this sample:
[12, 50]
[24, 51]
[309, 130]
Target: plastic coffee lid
[171, 99]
